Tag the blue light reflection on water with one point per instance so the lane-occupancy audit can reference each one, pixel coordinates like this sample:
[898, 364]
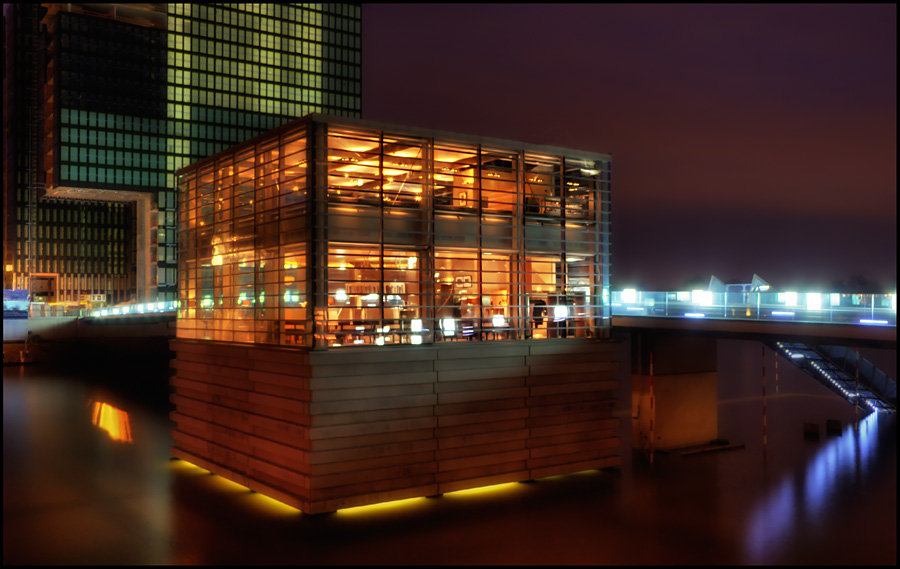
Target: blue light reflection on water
[843, 460]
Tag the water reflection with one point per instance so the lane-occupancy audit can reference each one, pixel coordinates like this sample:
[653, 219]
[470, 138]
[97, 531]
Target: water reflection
[74, 494]
[845, 460]
[113, 420]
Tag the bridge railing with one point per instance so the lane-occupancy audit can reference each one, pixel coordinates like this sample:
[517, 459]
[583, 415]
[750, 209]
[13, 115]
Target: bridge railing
[136, 309]
[834, 308]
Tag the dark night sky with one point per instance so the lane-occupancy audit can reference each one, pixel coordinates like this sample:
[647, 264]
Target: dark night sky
[745, 138]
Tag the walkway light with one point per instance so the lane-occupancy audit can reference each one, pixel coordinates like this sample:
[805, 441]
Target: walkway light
[790, 299]
[813, 301]
[629, 295]
[701, 297]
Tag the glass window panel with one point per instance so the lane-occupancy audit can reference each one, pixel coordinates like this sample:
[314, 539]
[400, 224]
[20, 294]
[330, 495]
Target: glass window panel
[457, 293]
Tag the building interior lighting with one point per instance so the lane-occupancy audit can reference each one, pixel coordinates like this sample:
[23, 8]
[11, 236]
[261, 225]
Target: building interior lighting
[560, 312]
[448, 326]
[416, 325]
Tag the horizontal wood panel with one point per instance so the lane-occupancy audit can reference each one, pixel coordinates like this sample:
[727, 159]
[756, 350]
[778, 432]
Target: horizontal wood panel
[338, 358]
[480, 438]
[447, 478]
[478, 384]
[326, 394]
[355, 477]
[355, 381]
[479, 406]
[484, 373]
[372, 451]
[479, 363]
[363, 428]
[468, 351]
[371, 463]
[375, 439]
[569, 458]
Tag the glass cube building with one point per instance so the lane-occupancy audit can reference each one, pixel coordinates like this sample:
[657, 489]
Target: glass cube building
[331, 232]
[109, 100]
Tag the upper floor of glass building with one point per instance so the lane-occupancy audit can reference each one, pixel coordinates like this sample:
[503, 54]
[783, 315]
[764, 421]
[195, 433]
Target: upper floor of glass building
[331, 232]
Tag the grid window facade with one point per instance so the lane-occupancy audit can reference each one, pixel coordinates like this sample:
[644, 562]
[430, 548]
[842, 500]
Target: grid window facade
[130, 93]
[352, 233]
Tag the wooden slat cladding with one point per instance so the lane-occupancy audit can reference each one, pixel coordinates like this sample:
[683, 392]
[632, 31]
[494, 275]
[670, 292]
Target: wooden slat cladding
[243, 412]
[359, 426]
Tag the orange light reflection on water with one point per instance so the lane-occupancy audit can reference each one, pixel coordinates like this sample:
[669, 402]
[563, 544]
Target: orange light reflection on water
[112, 420]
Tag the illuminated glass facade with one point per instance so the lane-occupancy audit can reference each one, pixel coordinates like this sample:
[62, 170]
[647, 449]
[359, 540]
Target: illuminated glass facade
[129, 93]
[332, 232]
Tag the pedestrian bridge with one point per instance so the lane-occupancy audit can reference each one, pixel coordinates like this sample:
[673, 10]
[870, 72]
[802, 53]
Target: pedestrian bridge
[815, 332]
[870, 319]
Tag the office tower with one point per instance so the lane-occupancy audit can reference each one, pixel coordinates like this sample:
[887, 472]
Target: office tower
[103, 103]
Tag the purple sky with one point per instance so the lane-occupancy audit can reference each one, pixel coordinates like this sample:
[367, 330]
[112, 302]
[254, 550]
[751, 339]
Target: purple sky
[745, 138]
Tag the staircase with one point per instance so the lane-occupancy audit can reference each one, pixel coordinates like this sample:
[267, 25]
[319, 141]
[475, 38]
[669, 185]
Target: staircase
[842, 370]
